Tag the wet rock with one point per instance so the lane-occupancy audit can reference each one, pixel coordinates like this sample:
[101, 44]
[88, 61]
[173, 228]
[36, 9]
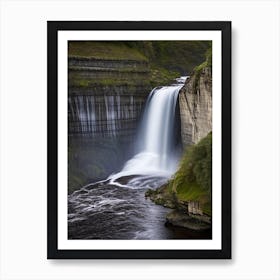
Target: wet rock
[125, 179]
[194, 222]
[162, 197]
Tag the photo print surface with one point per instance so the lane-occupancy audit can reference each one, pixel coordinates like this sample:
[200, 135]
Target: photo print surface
[139, 139]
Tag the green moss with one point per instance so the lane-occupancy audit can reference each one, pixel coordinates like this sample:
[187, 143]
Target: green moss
[78, 79]
[74, 183]
[178, 56]
[104, 50]
[107, 82]
[167, 59]
[193, 180]
[83, 83]
[209, 57]
[198, 69]
[197, 73]
[161, 76]
[207, 208]
[141, 68]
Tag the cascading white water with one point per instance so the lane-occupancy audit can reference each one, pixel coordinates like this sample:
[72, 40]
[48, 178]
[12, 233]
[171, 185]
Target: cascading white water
[155, 137]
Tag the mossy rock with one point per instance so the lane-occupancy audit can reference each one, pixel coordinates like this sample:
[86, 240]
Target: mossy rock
[193, 180]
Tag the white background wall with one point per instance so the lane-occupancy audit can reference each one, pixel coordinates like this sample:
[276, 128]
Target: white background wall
[255, 101]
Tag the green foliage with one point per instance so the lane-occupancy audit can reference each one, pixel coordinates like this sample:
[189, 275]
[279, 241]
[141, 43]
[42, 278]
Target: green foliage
[178, 56]
[162, 77]
[193, 180]
[78, 80]
[144, 47]
[198, 69]
[167, 59]
[83, 83]
[208, 55]
[116, 50]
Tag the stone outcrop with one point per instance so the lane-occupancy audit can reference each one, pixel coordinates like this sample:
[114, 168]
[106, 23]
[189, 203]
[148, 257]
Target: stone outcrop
[187, 214]
[177, 218]
[194, 208]
[162, 196]
[195, 100]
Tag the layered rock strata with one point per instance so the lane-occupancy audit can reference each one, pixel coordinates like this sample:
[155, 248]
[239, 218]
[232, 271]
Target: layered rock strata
[105, 97]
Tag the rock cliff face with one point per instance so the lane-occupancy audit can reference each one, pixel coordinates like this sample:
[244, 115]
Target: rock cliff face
[105, 100]
[105, 97]
[195, 100]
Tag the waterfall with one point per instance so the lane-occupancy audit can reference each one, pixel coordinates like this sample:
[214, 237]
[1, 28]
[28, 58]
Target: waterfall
[116, 115]
[155, 137]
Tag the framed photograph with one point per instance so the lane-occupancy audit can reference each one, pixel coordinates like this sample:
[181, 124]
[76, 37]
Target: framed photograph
[139, 140]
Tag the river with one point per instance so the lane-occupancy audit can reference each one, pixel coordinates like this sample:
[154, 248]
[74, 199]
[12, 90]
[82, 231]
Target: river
[106, 211]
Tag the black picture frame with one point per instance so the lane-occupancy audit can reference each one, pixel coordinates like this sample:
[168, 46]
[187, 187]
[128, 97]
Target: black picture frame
[53, 27]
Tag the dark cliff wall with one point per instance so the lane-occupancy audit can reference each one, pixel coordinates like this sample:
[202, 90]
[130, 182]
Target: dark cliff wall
[107, 88]
[105, 97]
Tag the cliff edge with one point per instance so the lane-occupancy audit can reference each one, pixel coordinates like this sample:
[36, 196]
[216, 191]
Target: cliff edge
[195, 100]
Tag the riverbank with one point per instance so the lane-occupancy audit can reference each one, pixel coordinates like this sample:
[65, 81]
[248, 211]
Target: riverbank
[184, 214]
[188, 192]
[107, 211]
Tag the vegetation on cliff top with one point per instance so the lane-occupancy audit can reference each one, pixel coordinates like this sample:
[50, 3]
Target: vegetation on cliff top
[177, 56]
[198, 69]
[104, 50]
[167, 60]
[193, 180]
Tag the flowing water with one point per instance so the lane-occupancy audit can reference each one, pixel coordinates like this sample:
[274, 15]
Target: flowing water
[109, 211]
[156, 138]
[116, 208]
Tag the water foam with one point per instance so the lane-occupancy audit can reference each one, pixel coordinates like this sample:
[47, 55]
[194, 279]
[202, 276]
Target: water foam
[156, 137]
